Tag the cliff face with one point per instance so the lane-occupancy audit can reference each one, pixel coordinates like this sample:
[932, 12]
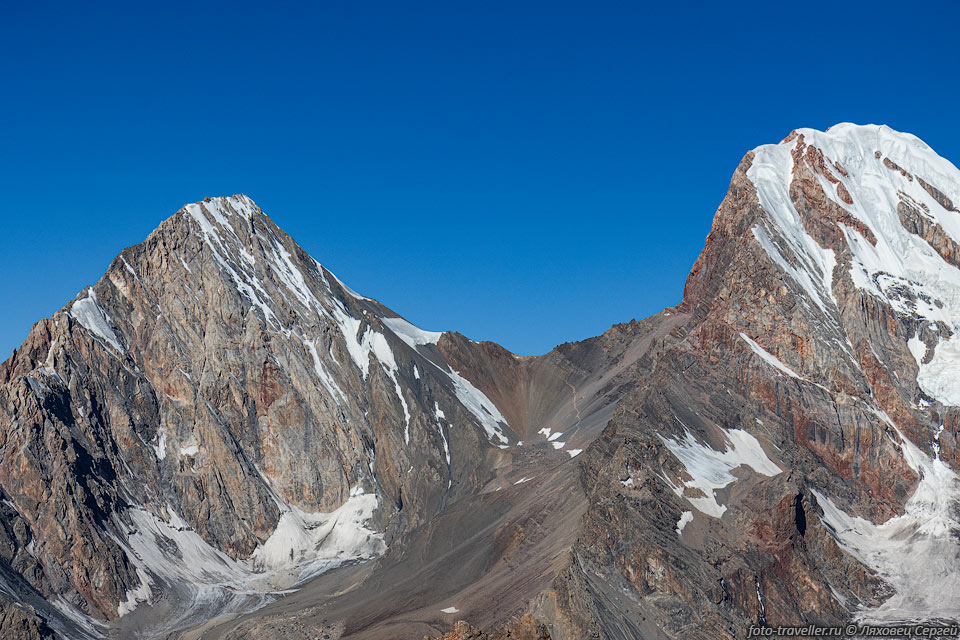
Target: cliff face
[219, 419]
[788, 456]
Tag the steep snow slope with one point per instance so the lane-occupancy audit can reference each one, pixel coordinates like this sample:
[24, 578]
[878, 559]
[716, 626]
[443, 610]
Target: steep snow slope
[880, 173]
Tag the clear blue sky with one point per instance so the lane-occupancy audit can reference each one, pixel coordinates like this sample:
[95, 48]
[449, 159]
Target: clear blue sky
[528, 173]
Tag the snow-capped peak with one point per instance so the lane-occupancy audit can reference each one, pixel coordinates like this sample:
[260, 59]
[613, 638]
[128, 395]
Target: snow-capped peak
[894, 202]
[235, 205]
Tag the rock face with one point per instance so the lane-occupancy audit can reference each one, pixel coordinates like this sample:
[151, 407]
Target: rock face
[220, 418]
[787, 457]
[16, 622]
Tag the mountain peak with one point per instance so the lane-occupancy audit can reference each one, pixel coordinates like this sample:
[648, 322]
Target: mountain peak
[855, 140]
[238, 204]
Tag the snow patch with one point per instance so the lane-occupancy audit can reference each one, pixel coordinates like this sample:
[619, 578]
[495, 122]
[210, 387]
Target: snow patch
[917, 348]
[685, 518]
[710, 469]
[291, 276]
[360, 347]
[480, 406]
[302, 546]
[128, 267]
[812, 277]
[474, 400]
[938, 378]
[326, 379]
[141, 593]
[161, 447]
[768, 357]
[85, 625]
[916, 553]
[317, 542]
[88, 312]
[412, 335]
[443, 439]
[350, 292]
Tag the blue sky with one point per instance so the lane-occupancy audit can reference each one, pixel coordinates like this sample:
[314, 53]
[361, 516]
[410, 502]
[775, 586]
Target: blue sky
[528, 173]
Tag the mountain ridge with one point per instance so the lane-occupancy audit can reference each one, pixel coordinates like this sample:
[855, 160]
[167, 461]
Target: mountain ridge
[220, 411]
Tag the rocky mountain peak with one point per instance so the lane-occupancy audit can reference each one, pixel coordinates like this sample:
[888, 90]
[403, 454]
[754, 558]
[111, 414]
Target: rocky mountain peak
[216, 359]
[832, 265]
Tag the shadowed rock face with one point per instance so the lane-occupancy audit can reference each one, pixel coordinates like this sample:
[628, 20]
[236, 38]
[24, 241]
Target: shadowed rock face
[220, 417]
[22, 624]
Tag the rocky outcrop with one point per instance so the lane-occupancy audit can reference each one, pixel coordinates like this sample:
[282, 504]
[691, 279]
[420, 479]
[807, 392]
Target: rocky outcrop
[526, 628]
[21, 623]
